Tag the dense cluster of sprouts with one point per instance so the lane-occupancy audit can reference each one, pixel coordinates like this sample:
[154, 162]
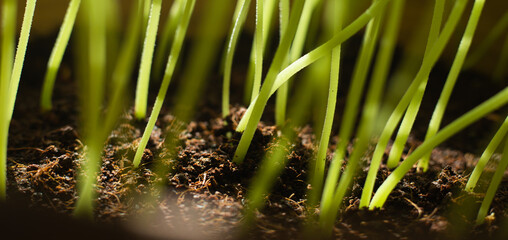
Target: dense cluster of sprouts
[311, 34]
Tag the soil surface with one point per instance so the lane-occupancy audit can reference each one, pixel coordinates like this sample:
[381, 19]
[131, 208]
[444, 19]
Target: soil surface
[203, 191]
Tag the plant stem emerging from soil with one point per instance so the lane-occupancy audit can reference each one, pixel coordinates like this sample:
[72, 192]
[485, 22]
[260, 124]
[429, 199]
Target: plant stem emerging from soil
[181, 30]
[146, 60]
[57, 54]
[465, 43]
[465, 120]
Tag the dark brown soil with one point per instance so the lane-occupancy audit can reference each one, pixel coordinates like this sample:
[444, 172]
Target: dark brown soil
[204, 192]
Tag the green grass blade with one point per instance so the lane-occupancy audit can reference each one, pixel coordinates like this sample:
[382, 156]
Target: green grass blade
[428, 63]
[9, 10]
[92, 105]
[317, 54]
[176, 47]
[379, 76]
[486, 155]
[414, 105]
[458, 62]
[465, 120]
[493, 186]
[146, 60]
[242, 8]
[57, 54]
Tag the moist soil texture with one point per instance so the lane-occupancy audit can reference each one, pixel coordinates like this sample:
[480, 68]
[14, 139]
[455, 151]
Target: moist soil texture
[187, 187]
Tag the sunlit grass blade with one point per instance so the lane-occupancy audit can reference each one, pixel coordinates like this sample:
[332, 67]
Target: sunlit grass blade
[57, 54]
[315, 55]
[294, 53]
[9, 9]
[164, 41]
[423, 73]
[465, 120]
[146, 60]
[95, 17]
[176, 47]
[262, 99]
[317, 175]
[333, 192]
[487, 154]
[242, 8]
[414, 105]
[493, 186]
[458, 62]
[379, 76]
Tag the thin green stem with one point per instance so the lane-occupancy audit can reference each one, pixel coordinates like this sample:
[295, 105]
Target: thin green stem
[487, 154]
[318, 173]
[264, 94]
[414, 106]
[316, 54]
[57, 54]
[500, 70]
[294, 53]
[385, 56]
[164, 41]
[176, 47]
[8, 28]
[258, 48]
[493, 186]
[333, 192]
[465, 120]
[146, 60]
[458, 62]
[242, 8]
[423, 73]
[97, 42]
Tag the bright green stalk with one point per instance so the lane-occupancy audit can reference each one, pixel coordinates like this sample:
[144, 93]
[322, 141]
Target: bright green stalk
[124, 65]
[20, 55]
[146, 60]
[414, 106]
[294, 54]
[57, 54]
[242, 8]
[423, 73]
[315, 55]
[488, 42]
[92, 101]
[465, 120]
[500, 70]
[493, 186]
[258, 48]
[379, 76]
[318, 173]
[250, 90]
[264, 94]
[491, 148]
[332, 199]
[458, 62]
[9, 9]
[181, 30]
[165, 39]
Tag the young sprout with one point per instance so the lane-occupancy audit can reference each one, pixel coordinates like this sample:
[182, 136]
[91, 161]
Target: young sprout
[464, 45]
[465, 120]
[493, 186]
[9, 84]
[250, 119]
[146, 60]
[186, 12]
[57, 54]
[487, 154]
[414, 105]
[242, 8]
